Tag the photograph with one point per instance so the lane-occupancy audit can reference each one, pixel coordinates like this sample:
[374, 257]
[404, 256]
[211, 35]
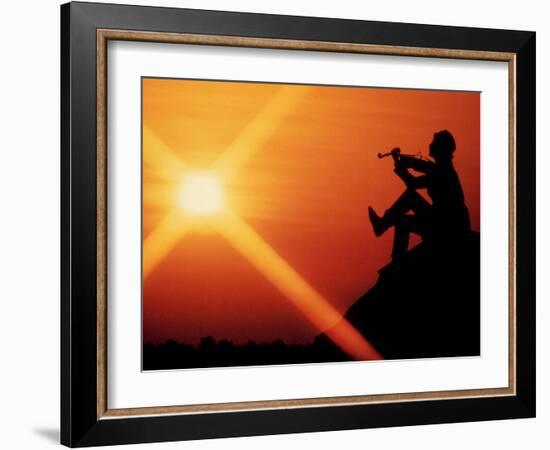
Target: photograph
[300, 224]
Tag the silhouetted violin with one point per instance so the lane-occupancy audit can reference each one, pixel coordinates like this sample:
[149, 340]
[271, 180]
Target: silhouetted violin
[413, 161]
[396, 153]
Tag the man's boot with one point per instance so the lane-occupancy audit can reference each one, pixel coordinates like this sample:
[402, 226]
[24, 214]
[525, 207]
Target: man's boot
[379, 224]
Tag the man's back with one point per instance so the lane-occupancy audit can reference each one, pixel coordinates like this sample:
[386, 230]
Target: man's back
[446, 192]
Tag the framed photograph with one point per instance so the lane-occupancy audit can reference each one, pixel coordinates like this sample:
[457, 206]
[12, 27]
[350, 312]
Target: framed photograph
[276, 224]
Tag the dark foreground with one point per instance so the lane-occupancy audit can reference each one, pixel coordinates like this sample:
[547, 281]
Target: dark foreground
[425, 306]
[211, 353]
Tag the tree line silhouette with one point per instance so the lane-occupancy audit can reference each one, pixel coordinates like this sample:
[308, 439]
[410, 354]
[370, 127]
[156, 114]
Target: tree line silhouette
[225, 353]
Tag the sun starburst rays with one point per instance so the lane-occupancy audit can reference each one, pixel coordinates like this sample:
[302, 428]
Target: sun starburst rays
[201, 200]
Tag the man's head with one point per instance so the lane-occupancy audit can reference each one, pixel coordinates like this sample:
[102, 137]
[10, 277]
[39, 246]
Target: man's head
[443, 145]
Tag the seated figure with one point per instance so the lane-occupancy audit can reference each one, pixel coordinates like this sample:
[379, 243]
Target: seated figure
[446, 216]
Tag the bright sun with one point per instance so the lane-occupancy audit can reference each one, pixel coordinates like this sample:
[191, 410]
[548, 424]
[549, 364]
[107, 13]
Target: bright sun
[201, 194]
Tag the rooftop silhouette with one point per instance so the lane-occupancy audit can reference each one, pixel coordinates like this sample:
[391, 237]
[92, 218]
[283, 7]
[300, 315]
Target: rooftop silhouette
[425, 305]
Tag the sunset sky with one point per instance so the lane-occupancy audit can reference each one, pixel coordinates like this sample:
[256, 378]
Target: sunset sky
[295, 169]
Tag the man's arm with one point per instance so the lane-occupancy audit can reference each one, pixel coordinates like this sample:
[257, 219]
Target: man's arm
[410, 181]
[420, 165]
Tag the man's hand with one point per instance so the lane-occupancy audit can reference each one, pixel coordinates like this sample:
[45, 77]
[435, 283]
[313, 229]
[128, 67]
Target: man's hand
[399, 168]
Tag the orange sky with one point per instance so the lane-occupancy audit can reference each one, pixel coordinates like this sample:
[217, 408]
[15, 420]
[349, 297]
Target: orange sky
[304, 189]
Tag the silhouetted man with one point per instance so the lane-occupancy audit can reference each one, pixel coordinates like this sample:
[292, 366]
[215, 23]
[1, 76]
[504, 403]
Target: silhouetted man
[447, 215]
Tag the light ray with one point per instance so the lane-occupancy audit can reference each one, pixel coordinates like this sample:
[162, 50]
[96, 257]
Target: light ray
[163, 160]
[258, 130]
[162, 240]
[166, 162]
[312, 304]
[170, 230]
